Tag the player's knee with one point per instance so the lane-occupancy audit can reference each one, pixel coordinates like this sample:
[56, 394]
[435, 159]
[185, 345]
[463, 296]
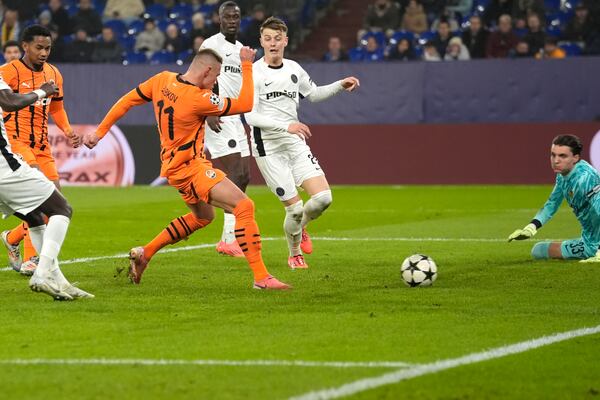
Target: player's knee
[323, 199]
[245, 207]
[540, 250]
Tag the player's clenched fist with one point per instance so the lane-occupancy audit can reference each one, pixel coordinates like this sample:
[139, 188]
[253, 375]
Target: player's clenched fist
[350, 83]
[75, 140]
[91, 140]
[50, 88]
[247, 54]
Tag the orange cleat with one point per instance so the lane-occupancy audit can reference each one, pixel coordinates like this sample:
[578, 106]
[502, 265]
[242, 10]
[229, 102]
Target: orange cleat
[137, 264]
[297, 262]
[306, 243]
[271, 283]
[230, 249]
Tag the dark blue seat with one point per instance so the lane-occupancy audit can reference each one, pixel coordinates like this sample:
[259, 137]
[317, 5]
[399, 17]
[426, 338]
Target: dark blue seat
[572, 49]
[134, 57]
[163, 57]
[181, 11]
[156, 11]
[356, 54]
[135, 27]
[117, 25]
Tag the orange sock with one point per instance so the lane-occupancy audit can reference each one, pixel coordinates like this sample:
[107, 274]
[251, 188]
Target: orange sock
[17, 234]
[28, 249]
[180, 228]
[248, 237]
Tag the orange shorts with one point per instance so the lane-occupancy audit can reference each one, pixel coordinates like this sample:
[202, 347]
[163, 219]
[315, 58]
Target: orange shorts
[195, 179]
[41, 159]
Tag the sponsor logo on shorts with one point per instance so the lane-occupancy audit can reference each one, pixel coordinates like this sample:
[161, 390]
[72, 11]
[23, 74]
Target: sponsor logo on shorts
[280, 192]
[294, 78]
[232, 143]
[211, 173]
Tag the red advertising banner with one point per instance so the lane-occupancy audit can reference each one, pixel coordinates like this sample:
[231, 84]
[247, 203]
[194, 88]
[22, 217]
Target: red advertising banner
[110, 163]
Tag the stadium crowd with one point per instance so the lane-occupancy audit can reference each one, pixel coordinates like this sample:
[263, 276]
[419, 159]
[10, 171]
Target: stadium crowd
[167, 31]
[450, 30]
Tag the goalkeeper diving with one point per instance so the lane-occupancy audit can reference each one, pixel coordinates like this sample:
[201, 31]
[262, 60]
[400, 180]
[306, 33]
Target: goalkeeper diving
[579, 183]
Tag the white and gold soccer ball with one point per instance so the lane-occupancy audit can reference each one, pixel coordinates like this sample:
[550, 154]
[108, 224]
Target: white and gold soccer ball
[418, 270]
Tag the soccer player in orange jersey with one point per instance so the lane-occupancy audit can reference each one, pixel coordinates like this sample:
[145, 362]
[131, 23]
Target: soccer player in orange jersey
[28, 128]
[181, 104]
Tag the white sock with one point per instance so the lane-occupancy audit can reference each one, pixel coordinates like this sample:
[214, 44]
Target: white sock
[54, 236]
[228, 236]
[293, 228]
[58, 275]
[315, 206]
[36, 234]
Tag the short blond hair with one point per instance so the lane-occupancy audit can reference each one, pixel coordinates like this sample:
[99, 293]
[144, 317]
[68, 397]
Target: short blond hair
[275, 24]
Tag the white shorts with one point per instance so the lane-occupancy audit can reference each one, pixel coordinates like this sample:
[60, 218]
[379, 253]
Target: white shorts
[286, 170]
[232, 139]
[23, 190]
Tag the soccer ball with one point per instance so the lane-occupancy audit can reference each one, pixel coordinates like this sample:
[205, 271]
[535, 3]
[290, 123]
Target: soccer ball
[418, 270]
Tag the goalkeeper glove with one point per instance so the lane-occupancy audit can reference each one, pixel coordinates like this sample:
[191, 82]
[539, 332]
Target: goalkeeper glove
[521, 234]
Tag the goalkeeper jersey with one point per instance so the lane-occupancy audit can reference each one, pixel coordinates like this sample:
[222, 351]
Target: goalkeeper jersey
[579, 187]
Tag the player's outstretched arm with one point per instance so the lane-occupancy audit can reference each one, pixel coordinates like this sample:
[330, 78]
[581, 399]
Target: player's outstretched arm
[10, 101]
[350, 83]
[321, 93]
[245, 100]
[117, 111]
[521, 234]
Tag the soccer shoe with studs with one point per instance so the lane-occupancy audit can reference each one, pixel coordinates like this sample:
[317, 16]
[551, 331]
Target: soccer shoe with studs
[14, 254]
[29, 266]
[297, 262]
[270, 283]
[49, 286]
[594, 259]
[137, 264]
[306, 243]
[230, 249]
[76, 293]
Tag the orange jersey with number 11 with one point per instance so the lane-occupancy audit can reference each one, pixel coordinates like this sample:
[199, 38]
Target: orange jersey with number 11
[181, 109]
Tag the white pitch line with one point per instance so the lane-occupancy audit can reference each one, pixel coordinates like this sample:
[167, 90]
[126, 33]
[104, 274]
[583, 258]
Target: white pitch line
[234, 363]
[425, 369]
[324, 238]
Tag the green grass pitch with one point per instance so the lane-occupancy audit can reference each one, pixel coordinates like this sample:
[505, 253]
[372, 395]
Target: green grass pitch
[350, 306]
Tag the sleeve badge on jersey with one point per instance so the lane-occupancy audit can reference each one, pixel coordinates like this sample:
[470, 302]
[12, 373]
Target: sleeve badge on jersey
[215, 99]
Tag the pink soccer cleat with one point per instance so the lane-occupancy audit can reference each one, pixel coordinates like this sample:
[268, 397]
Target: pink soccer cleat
[14, 254]
[306, 243]
[28, 267]
[137, 264]
[297, 262]
[230, 249]
[271, 283]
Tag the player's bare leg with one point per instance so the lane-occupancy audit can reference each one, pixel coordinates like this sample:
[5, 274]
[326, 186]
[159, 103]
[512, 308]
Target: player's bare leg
[179, 229]
[237, 169]
[229, 197]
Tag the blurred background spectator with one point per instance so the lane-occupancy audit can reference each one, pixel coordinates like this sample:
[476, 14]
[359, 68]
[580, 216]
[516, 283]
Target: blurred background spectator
[402, 51]
[174, 43]
[535, 33]
[11, 51]
[150, 40]
[475, 37]
[495, 9]
[10, 28]
[430, 52]
[107, 49]
[81, 48]
[442, 38]
[382, 15]
[503, 40]
[87, 18]
[551, 50]
[60, 17]
[126, 10]
[456, 50]
[335, 51]
[414, 19]
[521, 50]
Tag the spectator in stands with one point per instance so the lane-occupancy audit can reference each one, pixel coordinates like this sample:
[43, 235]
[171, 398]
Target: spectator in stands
[26, 9]
[57, 53]
[462, 7]
[502, 40]
[430, 52]
[446, 16]
[495, 9]
[475, 37]
[551, 50]
[174, 42]
[196, 44]
[522, 9]
[372, 52]
[108, 49]
[414, 19]
[535, 34]
[433, 8]
[402, 51]
[456, 50]
[442, 38]
[60, 17]
[214, 26]
[198, 26]
[125, 10]
[335, 51]
[10, 29]
[87, 18]
[580, 27]
[45, 20]
[81, 48]
[382, 15]
[594, 8]
[251, 35]
[11, 51]
[521, 50]
[150, 40]
[167, 3]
